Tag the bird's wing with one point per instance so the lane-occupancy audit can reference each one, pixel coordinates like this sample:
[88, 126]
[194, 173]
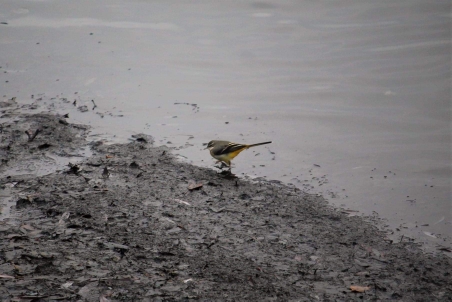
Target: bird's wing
[229, 148]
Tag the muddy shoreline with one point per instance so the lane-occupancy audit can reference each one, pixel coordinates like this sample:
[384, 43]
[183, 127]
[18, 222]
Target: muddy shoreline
[131, 223]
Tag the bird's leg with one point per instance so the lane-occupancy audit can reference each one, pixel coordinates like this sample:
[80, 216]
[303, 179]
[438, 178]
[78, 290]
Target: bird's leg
[230, 166]
[223, 164]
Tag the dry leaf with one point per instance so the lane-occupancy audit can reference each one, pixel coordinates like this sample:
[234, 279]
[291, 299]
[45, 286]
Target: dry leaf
[109, 156]
[12, 236]
[195, 186]
[182, 201]
[6, 277]
[359, 289]
[67, 284]
[28, 227]
[63, 218]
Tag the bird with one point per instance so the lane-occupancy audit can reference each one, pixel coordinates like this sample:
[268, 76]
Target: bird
[225, 151]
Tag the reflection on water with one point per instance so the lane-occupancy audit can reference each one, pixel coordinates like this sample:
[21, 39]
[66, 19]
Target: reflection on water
[362, 91]
[84, 22]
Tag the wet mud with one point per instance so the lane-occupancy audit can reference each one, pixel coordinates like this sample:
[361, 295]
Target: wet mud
[131, 223]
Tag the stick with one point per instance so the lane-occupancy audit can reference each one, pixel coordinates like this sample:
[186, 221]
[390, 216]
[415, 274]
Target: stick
[32, 137]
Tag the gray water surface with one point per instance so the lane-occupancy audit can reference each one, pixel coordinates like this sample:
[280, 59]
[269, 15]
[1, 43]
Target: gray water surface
[354, 95]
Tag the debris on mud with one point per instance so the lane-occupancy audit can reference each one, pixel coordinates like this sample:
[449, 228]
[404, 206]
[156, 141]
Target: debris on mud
[195, 186]
[76, 234]
[83, 108]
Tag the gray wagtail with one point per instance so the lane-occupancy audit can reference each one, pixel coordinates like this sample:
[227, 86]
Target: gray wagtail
[225, 151]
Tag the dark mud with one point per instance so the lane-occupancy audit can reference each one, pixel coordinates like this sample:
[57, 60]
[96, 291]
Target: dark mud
[130, 223]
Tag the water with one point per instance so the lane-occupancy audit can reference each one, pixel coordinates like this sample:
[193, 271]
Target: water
[355, 96]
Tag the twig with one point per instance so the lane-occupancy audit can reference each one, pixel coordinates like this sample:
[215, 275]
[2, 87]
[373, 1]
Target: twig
[32, 137]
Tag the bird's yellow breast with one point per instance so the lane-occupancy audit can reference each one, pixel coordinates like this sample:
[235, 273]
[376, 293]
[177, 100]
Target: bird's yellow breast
[234, 154]
[227, 157]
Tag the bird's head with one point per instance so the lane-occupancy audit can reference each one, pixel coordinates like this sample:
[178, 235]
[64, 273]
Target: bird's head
[210, 145]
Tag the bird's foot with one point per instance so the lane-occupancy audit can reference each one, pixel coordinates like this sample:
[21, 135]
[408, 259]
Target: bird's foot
[222, 166]
[228, 174]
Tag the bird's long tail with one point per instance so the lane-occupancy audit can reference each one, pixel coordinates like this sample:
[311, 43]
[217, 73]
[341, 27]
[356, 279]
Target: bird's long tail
[254, 145]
